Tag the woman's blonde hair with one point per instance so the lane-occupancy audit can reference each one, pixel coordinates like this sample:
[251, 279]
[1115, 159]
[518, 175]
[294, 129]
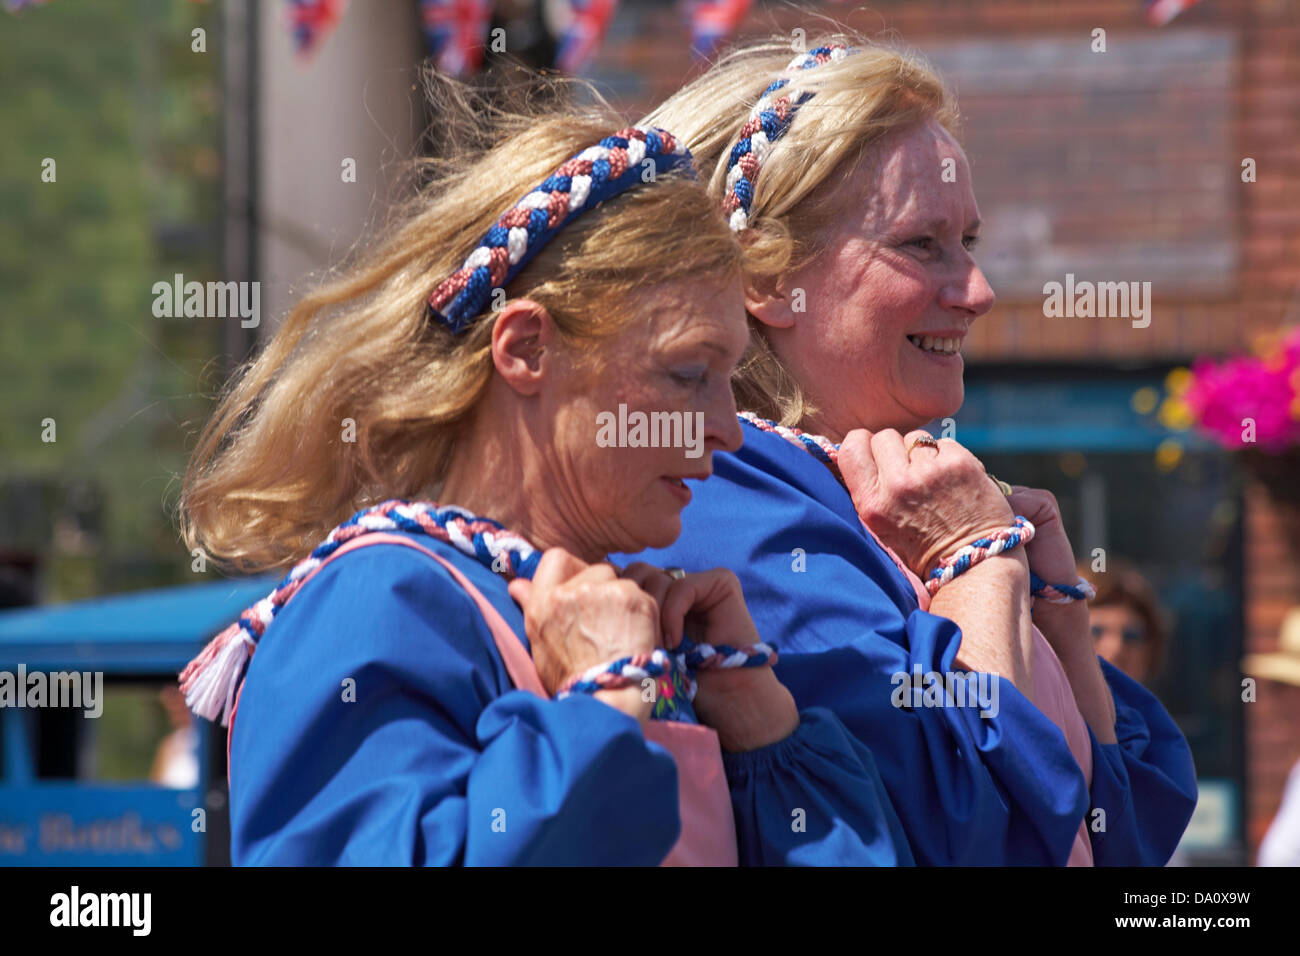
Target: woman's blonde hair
[275, 468]
[859, 100]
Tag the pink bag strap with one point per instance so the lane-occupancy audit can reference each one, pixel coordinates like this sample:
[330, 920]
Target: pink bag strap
[922, 595]
[519, 665]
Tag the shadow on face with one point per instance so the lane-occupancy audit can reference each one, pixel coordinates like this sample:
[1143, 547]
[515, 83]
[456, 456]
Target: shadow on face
[641, 414]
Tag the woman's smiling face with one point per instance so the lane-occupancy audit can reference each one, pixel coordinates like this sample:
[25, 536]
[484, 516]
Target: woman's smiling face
[889, 301]
[670, 368]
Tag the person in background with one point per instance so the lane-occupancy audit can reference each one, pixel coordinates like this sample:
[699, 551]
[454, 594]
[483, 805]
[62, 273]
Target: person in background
[176, 761]
[1281, 669]
[1128, 624]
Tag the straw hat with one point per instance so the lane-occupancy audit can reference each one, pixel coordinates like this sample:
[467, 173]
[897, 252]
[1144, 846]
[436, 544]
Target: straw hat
[1284, 665]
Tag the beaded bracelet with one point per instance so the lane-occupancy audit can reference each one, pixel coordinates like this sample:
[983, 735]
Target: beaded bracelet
[1082, 590]
[972, 554]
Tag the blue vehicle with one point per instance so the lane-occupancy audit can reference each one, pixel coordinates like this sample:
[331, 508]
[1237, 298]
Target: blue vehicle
[62, 803]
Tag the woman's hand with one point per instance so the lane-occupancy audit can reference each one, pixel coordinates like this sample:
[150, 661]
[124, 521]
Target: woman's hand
[926, 501]
[580, 615]
[748, 707]
[1066, 626]
[1049, 553]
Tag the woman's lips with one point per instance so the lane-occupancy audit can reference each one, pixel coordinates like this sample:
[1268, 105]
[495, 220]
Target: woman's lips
[678, 487]
[941, 344]
[942, 349]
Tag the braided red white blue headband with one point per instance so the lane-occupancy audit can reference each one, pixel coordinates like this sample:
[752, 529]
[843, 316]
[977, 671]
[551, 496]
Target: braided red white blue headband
[612, 166]
[768, 121]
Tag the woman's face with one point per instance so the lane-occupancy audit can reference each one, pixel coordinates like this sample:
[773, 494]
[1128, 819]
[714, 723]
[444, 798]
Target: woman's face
[889, 302]
[631, 432]
[1121, 639]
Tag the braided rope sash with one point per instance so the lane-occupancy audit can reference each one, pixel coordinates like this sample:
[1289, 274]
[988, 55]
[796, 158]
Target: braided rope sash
[600, 172]
[211, 681]
[767, 122]
[828, 453]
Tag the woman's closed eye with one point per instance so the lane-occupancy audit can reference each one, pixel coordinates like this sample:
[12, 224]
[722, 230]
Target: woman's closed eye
[691, 376]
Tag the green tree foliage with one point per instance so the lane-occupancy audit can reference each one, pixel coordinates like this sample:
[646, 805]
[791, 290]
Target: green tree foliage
[113, 94]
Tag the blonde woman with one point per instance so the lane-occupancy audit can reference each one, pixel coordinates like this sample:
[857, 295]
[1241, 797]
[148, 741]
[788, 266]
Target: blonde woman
[400, 707]
[998, 742]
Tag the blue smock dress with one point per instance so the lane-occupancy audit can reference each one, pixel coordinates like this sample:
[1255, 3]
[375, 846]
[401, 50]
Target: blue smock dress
[439, 760]
[969, 789]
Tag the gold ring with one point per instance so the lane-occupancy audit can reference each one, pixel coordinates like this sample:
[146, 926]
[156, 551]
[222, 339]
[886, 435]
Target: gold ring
[926, 440]
[675, 573]
[1002, 485]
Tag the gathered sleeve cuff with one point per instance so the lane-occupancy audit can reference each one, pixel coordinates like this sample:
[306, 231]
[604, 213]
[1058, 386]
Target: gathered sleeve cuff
[1144, 784]
[814, 799]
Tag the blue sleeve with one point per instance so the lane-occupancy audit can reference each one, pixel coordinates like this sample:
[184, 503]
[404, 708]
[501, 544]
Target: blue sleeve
[435, 759]
[1145, 782]
[974, 785]
[969, 789]
[814, 799]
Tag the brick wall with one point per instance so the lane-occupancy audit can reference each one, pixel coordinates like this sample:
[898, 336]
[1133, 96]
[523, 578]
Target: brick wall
[1153, 154]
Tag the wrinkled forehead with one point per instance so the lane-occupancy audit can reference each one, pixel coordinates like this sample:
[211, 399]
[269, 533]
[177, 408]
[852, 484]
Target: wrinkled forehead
[705, 305]
[913, 176]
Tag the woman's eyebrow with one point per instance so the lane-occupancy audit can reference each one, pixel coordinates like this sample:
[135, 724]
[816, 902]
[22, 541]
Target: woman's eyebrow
[938, 223]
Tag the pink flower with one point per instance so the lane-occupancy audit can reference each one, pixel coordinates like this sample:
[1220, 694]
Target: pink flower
[1220, 396]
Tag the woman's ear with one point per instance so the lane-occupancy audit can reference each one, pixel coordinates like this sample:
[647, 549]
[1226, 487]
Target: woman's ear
[767, 302]
[521, 338]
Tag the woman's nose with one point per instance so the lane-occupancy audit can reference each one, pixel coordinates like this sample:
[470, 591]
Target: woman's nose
[722, 426]
[969, 293]
[1108, 646]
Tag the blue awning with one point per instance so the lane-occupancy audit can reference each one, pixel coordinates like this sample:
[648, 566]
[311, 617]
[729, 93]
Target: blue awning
[141, 632]
[1072, 413]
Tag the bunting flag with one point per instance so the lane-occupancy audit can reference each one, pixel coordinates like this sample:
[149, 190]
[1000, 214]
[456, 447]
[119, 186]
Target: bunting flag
[1160, 12]
[456, 32]
[589, 21]
[712, 21]
[312, 20]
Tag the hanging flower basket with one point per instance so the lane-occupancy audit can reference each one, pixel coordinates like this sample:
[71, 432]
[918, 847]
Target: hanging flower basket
[1247, 403]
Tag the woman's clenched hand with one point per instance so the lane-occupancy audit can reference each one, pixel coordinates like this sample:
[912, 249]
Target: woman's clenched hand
[580, 615]
[924, 501]
[748, 707]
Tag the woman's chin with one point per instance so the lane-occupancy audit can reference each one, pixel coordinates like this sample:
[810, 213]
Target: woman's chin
[936, 405]
[661, 532]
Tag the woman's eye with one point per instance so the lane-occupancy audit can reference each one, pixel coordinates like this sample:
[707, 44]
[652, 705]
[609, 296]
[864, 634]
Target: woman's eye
[925, 243]
[970, 242]
[690, 376]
